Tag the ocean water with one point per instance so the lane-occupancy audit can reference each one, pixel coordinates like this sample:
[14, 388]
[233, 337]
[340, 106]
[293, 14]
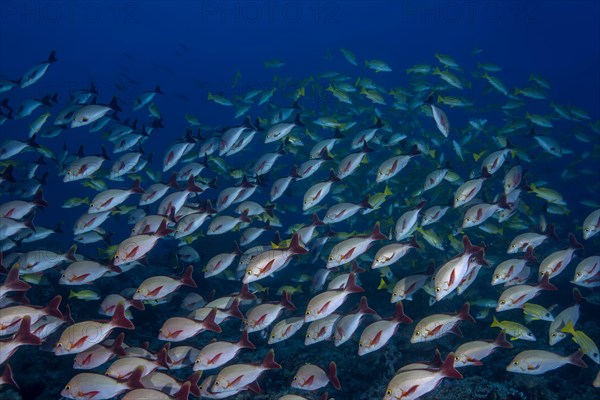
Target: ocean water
[191, 49]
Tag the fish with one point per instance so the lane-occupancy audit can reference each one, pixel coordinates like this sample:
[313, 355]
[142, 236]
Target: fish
[158, 287]
[591, 224]
[263, 315]
[517, 296]
[217, 354]
[136, 247]
[237, 376]
[538, 362]
[471, 353]
[101, 386]
[327, 302]
[438, 325]
[415, 383]
[348, 250]
[514, 329]
[376, 335]
[588, 347]
[37, 72]
[76, 338]
[313, 377]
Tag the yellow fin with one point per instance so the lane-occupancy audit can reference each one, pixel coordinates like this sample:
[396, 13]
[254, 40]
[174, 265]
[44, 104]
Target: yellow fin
[569, 328]
[495, 323]
[382, 284]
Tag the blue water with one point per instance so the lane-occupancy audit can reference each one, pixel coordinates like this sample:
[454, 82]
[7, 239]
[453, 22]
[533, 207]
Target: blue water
[191, 49]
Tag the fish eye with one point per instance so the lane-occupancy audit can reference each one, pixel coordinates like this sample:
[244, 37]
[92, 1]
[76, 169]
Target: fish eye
[308, 335]
[516, 363]
[578, 274]
[388, 392]
[456, 358]
[92, 205]
[68, 387]
[138, 291]
[272, 336]
[295, 378]
[360, 344]
[554, 334]
[248, 272]
[502, 302]
[395, 294]
[68, 172]
[529, 334]
[497, 276]
[116, 256]
[586, 229]
[330, 258]
[307, 312]
[216, 383]
[438, 289]
[58, 344]
[197, 361]
[418, 333]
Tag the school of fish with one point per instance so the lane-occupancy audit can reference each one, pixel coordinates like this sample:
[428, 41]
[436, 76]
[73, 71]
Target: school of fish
[361, 216]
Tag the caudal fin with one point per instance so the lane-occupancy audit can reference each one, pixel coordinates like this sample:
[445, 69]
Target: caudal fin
[117, 346]
[376, 233]
[184, 391]
[7, 377]
[286, 301]
[545, 283]
[351, 285]
[573, 243]
[234, 309]
[192, 187]
[448, 369]
[269, 361]
[436, 361]
[193, 381]
[501, 341]
[209, 322]
[464, 314]
[136, 188]
[13, 283]
[163, 230]
[39, 200]
[399, 315]
[24, 335]
[332, 375]
[52, 307]
[133, 382]
[364, 307]
[577, 359]
[295, 247]
[245, 294]
[187, 279]
[245, 342]
[119, 320]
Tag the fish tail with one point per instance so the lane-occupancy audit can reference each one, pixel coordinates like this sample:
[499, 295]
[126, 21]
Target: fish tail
[569, 328]
[447, 370]
[495, 323]
[332, 375]
[577, 359]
